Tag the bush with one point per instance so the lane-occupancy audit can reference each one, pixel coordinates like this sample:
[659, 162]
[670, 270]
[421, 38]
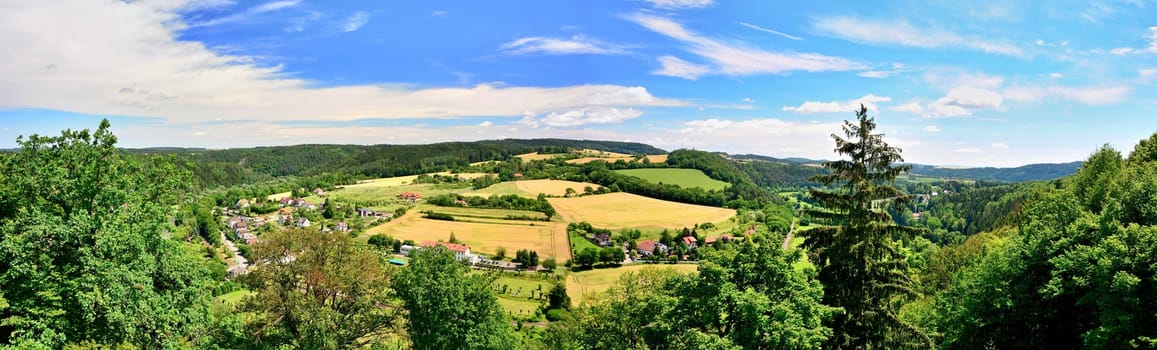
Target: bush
[554, 315]
[438, 216]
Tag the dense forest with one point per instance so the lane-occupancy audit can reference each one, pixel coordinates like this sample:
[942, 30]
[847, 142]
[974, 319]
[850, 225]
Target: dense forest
[102, 248]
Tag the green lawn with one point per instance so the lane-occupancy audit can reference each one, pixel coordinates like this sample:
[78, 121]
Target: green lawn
[578, 243]
[683, 177]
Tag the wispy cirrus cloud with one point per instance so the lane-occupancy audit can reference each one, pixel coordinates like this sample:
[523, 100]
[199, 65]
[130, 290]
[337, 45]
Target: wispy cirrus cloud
[772, 31]
[736, 59]
[1151, 37]
[680, 4]
[575, 45]
[355, 21]
[902, 33]
[809, 107]
[675, 67]
[248, 13]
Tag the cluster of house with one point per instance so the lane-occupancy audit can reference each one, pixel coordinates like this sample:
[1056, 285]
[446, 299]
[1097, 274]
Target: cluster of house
[367, 212]
[461, 253]
[410, 197]
[653, 247]
[241, 225]
[297, 202]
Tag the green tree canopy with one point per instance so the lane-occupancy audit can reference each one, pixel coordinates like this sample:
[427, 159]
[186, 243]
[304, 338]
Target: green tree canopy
[82, 252]
[448, 309]
[319, 291]
[862, 269]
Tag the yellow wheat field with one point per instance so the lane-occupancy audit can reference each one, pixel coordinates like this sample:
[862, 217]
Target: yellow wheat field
[547, 238]
[624, 210]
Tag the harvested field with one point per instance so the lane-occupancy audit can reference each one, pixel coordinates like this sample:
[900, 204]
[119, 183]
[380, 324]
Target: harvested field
[547, 238]
[624, 210]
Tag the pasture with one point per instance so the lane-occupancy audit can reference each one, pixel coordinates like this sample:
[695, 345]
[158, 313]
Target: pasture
[469, 213]
[547, 238]
[581, 285]
[685, 178]
[621, 210]
[531, 188]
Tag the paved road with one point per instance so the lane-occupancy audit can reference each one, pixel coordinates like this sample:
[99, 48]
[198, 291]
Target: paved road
[238, 260]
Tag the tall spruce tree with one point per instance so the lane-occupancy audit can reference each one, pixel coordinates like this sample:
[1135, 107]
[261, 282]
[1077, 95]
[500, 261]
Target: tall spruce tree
[862, 268]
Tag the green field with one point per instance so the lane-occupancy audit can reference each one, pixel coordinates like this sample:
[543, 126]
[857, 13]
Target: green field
[685, 178]
[521, 297]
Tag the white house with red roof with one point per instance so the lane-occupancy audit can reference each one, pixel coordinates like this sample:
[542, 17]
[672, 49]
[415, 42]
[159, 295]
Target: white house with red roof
[461, 251]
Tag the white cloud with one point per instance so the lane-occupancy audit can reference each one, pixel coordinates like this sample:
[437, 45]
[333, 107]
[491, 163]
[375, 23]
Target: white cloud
[1151, 37]
[734, 59]
[674, 67]
[910, 107]
[355, 21]
[999, 145]
[1089, 95]
[875, 74]
[485, 124]
[132, 64]
[679, 4]
[932, 128]
[772, 31]
[903, 33]
[582, 116]
[809, 107]
[440, 13]
[576, 45]
[757, 135]
[1147, 72]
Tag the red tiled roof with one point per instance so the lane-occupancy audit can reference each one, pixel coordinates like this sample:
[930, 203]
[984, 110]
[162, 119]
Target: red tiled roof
[647, 245]
[454, 247]
[689, 240]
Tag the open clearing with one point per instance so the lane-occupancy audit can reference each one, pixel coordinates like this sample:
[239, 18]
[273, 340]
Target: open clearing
[580, 285]
[278, 196]
[537, 156]
[465, 213]
[531, 188]
[547, 238]
[624, 210]
[685, 178]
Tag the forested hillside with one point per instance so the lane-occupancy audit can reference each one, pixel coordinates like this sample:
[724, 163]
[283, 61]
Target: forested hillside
[1031, 172]
[249, 165]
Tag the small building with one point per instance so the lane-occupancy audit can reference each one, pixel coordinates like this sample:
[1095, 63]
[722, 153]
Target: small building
[650, 246]
[318, 191]
[405, 249]
[285, 201]
[603, 239]
[410, 196]
[341, 226]
[461, 251]
[690, 242]
[242, 203]
[303, 222]
[364, 212]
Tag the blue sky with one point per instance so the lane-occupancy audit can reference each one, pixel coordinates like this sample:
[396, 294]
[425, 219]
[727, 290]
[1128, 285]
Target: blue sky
[983, 83]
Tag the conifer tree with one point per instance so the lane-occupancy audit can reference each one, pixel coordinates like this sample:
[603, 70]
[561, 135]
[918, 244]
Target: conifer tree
[862, 269]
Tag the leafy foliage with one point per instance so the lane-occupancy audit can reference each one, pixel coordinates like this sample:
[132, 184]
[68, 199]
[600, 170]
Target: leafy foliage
[448, 309]
[82, 252]
[318, 291]
[864, 270]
